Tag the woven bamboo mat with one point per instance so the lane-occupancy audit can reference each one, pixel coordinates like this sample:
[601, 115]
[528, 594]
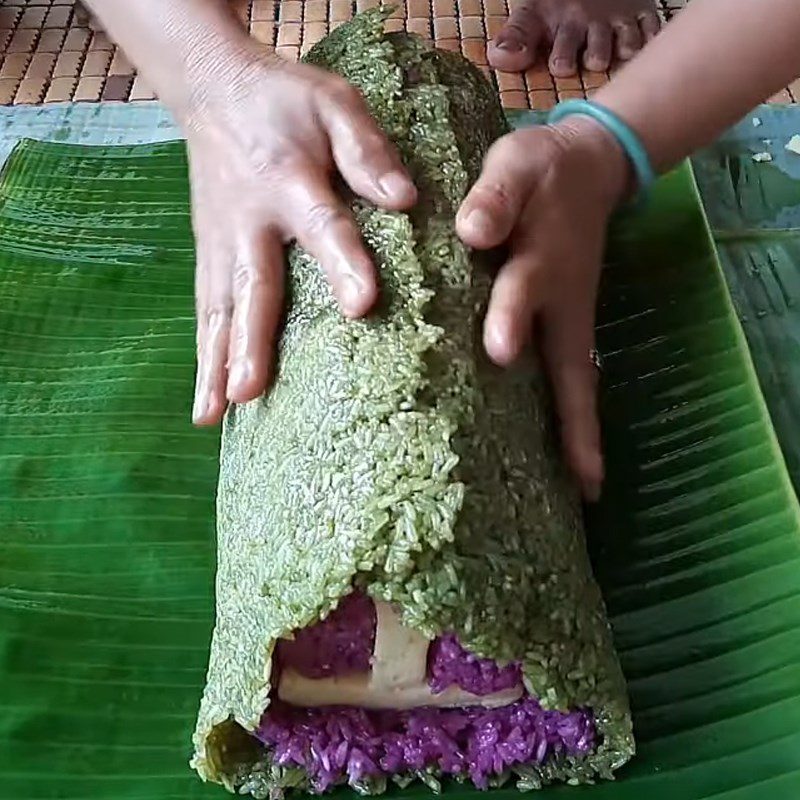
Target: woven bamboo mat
[49, 51]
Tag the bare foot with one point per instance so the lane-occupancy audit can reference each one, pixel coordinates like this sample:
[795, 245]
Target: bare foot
[598, 28]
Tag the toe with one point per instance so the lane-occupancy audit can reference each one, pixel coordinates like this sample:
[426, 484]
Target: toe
[629, 39]
[650, 25]
[599, 43]
[509, 54]
[564, 56]
[514, 48]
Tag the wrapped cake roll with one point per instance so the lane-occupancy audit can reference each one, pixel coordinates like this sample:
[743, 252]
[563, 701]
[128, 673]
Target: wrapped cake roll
[403, 587]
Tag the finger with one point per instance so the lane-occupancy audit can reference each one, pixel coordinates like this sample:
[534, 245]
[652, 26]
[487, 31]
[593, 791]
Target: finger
[629, 39]
[366, 159]
[599, 45]
[257, 298]
[215, 255]
[568, 341]
[491, 209]
[517, 296]
[650, 25]
[564, 55]
[213, 330]
[323, 226]
[575, 388]
[514, 48]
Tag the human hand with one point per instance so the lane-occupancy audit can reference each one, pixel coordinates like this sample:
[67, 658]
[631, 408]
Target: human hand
[263, 145]
[549, 192]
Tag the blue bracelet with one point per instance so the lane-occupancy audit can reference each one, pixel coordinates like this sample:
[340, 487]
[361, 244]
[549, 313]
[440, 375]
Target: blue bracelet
[621, 131]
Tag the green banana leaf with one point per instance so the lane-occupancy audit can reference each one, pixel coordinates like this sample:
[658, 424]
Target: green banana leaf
[755, 218]
[754, 215]
[106, 554]
[764, 278]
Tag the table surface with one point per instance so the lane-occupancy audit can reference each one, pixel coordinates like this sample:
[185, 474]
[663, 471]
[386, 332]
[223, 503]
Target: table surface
[51, 52]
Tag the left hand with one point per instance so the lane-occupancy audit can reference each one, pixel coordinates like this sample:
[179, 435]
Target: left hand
[549, 192]
[263, 146]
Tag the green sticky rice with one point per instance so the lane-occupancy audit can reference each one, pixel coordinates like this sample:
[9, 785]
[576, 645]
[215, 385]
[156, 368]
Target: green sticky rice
[392, 455]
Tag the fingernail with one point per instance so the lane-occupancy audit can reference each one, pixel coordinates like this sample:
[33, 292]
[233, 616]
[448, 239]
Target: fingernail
[200, 407]
[351, 294]
[479, 222]
[592, 491]
[239, 374]
[394, 184]
[499, 344]
[509, 45]
[593, 481]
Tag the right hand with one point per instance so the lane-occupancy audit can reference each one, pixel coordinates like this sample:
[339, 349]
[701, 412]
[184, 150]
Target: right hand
[264, 141]
[548, 192]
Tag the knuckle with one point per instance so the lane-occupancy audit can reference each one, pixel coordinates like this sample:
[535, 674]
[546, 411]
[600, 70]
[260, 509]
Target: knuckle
[572, 28]
[497, 194]
[523, 15]
[214, 311]
[511, 148]
[369, 148]
[244, 277]
[247, 277]
[266, 166]
[213, 324]
[274, 161]
[624, 26]
[322, 217]
[520, 27]
[342, 93]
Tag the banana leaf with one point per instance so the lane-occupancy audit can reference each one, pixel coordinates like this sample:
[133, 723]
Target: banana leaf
[106, 557]
[755, 219]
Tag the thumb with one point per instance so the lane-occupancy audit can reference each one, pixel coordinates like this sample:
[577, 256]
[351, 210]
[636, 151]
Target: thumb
[490, 211]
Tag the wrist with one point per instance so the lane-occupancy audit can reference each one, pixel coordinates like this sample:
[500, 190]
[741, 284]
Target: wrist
[610, 169]
[211, 71]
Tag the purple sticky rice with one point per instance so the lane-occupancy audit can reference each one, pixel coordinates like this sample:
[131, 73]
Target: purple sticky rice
[337, 744]
[449, 663]
[343, 744]
[342, 643]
